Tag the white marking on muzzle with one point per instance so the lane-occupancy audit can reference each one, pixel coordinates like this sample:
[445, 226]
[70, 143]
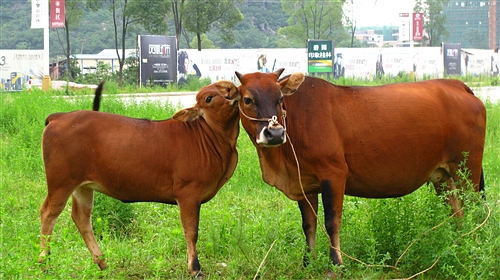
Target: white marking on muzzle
[273, 125]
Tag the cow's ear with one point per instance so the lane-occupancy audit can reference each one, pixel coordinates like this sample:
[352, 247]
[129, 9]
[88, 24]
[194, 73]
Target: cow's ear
[290, 85]
[227, 89]
[187, 115]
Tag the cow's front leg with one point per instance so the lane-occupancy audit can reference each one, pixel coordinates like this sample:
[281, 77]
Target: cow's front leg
[309, 209]
[190, 217]
[333, 200]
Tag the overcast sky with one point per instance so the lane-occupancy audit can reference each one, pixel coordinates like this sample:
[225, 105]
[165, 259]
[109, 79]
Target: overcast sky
[380, 12]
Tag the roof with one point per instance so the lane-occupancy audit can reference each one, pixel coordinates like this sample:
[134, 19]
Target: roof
[106, 54]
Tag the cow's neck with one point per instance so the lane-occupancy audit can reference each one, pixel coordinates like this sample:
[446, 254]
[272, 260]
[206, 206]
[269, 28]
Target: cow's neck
[222, 133]
[279, 170]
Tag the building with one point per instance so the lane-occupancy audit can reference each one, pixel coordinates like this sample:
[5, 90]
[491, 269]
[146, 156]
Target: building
[88, 62]
[371, 37]
[473, 23]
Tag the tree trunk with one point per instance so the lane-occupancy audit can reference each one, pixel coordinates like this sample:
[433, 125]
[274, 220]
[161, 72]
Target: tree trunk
[68, 52]
[198, 36]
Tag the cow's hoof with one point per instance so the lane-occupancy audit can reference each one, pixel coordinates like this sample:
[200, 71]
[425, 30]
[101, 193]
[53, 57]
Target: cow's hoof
[198, 275]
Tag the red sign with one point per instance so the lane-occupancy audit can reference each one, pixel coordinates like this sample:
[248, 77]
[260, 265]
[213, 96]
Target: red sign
[418, 27]
[57, 17]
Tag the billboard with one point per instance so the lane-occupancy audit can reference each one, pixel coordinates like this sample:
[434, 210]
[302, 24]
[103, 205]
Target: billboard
[418, 27]
[158, 59]
[220, 64]
[404, 27]
[319, 56]
[57, 16]
[452, 61]
[39, 13]
[18, 66]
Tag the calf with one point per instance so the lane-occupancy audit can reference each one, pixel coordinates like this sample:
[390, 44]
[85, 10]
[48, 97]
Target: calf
[183, 161]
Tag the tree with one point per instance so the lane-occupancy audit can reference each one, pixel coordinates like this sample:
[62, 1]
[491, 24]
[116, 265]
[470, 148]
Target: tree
[203, 15]
[206, 43]
[126, 14]
[352, 18]
[313, 19]
[73, 15]
[434, 20]
[177, 6]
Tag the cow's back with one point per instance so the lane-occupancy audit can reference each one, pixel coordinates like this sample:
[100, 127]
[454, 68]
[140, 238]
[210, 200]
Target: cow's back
[390, 138]
[157, 155]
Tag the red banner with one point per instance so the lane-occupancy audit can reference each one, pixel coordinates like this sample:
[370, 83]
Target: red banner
[418, 27]
[57, 17]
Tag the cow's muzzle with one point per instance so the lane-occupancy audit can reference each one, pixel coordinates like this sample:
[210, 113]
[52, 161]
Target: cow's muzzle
[272, 135]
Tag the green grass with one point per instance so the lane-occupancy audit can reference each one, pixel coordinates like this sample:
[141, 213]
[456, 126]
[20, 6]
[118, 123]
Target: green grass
[237, 227]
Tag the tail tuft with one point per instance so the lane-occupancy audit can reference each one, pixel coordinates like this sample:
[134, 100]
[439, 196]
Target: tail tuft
[97, 97]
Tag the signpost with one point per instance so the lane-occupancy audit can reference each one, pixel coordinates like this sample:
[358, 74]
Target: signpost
[157, 59]
[320, 56]
[451, 56]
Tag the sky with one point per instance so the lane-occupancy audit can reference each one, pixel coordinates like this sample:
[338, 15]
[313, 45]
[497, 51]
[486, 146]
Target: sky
[381, 12]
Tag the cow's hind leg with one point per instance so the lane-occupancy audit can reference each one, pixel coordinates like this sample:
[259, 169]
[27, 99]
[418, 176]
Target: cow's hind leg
[442, 181]
[309, 223]
[49, 212]
[190, 218]
[83, 201]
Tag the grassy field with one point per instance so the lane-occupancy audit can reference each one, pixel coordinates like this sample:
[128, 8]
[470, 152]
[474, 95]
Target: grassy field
[245, 221]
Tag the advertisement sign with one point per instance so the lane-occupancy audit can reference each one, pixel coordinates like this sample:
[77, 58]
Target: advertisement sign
[19, 66]
[319, 56]
[39, 13]
[57, 16]
[452, 61]
[220, 64]
[158, 59]
[404, 27]
[418, 27]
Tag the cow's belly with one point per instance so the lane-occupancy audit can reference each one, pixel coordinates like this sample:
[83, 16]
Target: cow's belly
[382, 188]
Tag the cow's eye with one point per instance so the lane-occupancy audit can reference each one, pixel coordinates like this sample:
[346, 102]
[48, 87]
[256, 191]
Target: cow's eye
[208, 99]
[247, 100]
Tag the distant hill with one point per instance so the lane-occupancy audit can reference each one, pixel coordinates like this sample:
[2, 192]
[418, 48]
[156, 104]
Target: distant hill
[95, 32]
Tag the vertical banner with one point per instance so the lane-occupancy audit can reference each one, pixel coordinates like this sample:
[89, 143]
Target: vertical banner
[319, 56]
[452, 62]
[39, 14]
[57, 16]
[158, 59]
[418, 27]
[404, 27]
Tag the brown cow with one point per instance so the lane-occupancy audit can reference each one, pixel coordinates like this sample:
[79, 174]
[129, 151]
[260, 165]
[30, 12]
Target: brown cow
[372, 142]
[184, 161]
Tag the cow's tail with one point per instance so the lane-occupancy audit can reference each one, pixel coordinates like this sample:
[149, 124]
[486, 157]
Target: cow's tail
[482, 185]
[97, 97]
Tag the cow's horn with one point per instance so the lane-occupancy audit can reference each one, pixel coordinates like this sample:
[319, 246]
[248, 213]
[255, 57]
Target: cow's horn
[279, 71]
[239, 75]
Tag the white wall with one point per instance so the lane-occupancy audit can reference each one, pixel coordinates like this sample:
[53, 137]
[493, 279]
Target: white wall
[218, 64]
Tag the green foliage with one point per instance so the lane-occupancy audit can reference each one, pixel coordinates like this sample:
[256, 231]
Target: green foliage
[206, 43]
[237, 227]
[315, 19]
[131, 71]
[103, 73]
[205, 15]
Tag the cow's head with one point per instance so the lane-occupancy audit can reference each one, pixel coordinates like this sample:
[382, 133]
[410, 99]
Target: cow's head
[216, 103]
[260, 102]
